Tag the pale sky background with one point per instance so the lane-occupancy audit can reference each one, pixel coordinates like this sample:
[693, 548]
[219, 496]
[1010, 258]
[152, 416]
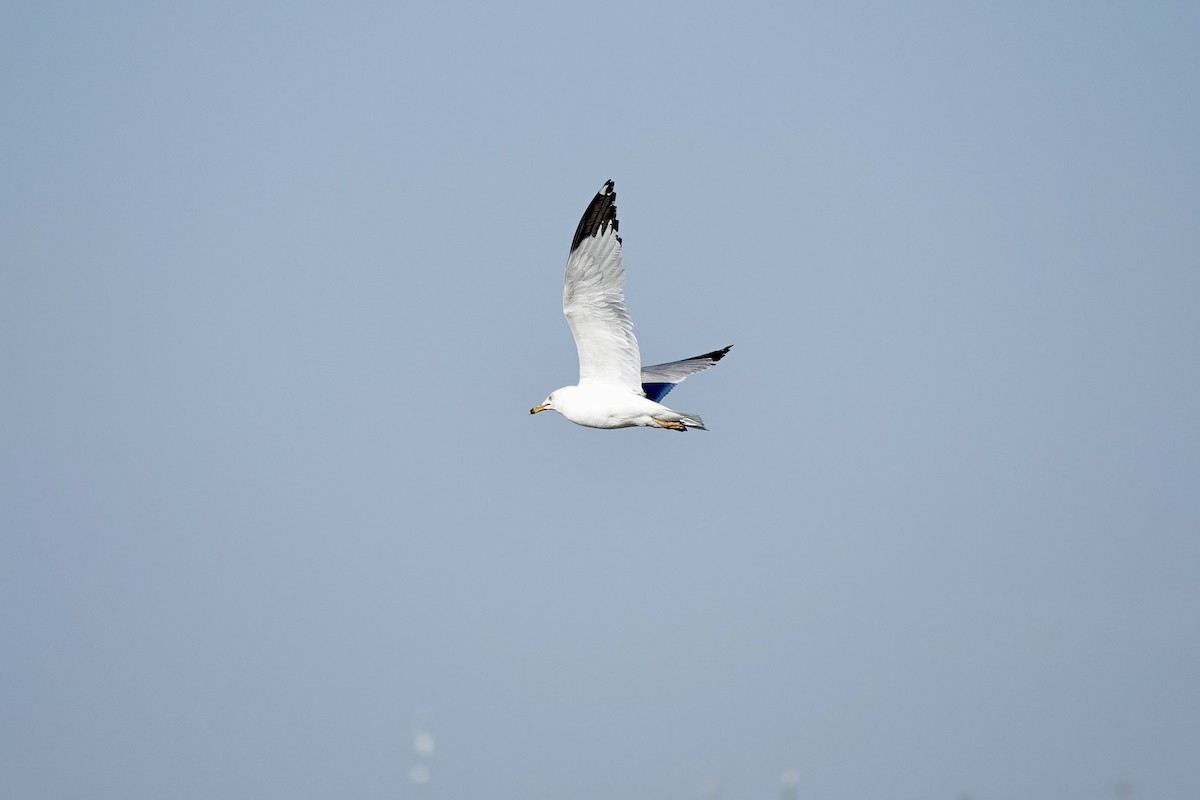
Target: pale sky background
[281, 281]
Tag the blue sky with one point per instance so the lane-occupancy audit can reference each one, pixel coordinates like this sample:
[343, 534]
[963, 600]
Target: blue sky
[279, 284]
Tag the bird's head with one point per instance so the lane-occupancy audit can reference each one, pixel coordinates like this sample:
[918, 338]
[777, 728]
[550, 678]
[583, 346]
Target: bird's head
[545, 405]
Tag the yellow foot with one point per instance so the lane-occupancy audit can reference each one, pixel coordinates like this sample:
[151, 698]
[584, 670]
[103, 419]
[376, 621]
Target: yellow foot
[675, 426]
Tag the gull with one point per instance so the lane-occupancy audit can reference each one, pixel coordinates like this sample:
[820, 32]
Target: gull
[614, 390]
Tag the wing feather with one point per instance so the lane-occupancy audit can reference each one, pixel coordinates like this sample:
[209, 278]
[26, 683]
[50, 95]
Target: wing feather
[594, 298]
[659, 379]
[677, 371]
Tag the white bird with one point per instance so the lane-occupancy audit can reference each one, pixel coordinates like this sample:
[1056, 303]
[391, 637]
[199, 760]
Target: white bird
[614, 390]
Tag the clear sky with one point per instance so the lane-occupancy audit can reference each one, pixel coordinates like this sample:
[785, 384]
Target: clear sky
[279, 283]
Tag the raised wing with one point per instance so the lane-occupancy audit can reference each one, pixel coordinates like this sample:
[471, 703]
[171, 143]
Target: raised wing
[594, 298]
[662, 378]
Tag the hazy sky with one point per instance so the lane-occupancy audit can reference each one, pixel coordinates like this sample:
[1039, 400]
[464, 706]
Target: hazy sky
[280, 282]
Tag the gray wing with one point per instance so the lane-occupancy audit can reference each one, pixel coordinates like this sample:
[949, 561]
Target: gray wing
[594, 298]
[662, 378]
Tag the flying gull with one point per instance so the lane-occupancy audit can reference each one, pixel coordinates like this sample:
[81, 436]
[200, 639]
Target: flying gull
[615, 390]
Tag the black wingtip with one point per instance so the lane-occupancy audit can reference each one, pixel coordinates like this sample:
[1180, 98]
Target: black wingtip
[717, 355]
[601, 213]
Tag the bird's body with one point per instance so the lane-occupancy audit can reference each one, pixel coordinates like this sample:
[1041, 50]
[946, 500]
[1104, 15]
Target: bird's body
[602, 405]
[614, 390]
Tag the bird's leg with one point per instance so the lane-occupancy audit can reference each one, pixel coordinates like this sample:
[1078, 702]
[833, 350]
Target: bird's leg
[666, 423]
